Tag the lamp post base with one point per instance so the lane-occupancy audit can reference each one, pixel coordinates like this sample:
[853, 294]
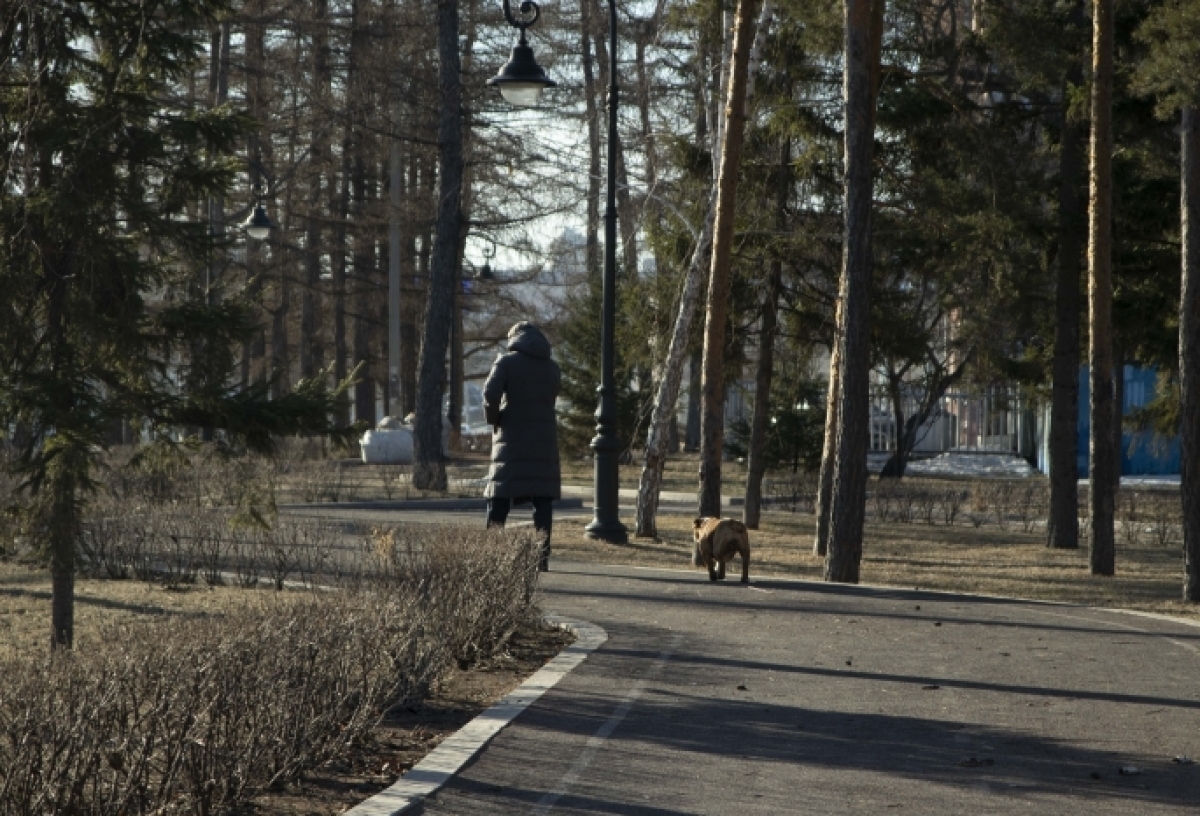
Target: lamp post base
[613, 532]
[606, 521]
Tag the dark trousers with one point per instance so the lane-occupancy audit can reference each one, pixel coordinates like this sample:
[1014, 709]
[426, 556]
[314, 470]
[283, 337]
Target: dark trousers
[543, 514]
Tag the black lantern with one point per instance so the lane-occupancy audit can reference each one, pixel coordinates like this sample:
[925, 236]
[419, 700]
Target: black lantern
[485, 272]
[521, 80]
[258, 224]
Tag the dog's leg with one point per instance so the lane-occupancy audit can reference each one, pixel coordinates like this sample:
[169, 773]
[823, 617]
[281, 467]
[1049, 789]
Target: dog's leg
[746, 566]
[721, 570]
[712, 573]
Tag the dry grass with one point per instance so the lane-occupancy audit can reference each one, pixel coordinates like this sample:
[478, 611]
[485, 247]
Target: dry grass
[961, 558]
[102, 604]
[680, 472]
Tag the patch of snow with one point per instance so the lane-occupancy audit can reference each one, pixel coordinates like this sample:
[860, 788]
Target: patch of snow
[1003, 465]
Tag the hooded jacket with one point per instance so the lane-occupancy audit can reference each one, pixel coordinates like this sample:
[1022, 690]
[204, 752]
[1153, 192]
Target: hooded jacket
[518, 400]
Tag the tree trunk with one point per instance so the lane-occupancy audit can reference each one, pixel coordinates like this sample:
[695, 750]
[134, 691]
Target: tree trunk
[756, 465]
[592, 239]
[429, 468]
[58, 505]
[414, 269]
[668, 385]
[897, 463]
[1189, 354]
[340, 207]
[828, 448]
[712, 415]
[1062, 526]
[365, 286]
[312, 349]
[395, 404]
[454, 412]
[691, 432]
[253, 347]
[829, 452]
[765, 14]
[454, 406]
[848, 498]
[1103, 451]
[280, 367]
[61, 522]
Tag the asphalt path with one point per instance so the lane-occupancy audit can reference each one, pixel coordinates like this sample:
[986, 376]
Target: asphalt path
[788, 696]
[800, 697]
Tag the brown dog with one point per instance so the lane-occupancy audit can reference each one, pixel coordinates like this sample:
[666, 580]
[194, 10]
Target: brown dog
[718, 541]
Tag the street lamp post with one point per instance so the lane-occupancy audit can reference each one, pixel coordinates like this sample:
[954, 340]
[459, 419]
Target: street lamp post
[521, 81]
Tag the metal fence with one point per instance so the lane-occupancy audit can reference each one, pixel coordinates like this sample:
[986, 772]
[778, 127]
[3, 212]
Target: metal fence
[993, 420]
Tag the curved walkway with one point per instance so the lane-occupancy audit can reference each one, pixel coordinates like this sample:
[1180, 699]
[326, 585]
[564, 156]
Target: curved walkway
[797, 697]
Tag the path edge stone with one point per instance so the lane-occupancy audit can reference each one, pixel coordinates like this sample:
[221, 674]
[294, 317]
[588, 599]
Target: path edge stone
[442, 763]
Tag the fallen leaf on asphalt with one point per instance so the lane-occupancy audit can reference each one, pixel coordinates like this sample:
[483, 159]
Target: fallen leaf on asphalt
[977, 763]
[1182, 760]
[939, 623]
[741, 688]
[849, 663]
[1095, 775]
[930, 688]
[1130, 770]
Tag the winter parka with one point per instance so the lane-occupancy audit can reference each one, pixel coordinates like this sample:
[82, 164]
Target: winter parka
[518, 400]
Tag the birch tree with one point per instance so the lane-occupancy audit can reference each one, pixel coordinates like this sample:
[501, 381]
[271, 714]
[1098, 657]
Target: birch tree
[667, 393]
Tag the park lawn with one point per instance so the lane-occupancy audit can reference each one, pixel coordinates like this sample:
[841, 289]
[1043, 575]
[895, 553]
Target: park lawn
[681, 473]
[960, 558]
[101, 605]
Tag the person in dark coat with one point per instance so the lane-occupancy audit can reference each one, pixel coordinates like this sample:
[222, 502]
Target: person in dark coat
[518, 401]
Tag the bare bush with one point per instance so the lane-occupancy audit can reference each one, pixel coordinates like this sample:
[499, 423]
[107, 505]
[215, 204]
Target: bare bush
[320, 481]
[391, 477]
[198, 716]
[952, 504]
[794, 492]
[883, 499]
[1165, 521]
[927, 505]
[1129, 514]
[1031, 505]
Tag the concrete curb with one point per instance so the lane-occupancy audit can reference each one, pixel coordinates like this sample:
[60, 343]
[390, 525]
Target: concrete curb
[440, 765]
